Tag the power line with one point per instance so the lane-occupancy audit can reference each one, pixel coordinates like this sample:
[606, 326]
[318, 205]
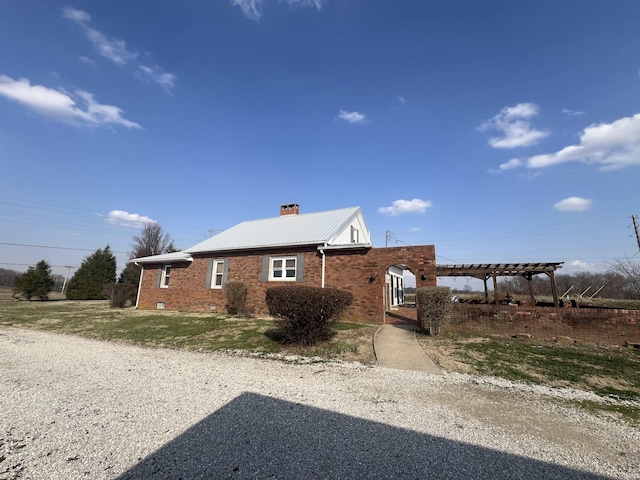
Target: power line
[29, 264]
[54, 247]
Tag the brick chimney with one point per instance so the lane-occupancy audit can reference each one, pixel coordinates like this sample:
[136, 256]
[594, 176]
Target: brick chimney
[290, 209]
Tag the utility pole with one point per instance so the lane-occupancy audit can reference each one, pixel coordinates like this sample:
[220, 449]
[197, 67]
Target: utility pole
[66, 278]
[635, 226]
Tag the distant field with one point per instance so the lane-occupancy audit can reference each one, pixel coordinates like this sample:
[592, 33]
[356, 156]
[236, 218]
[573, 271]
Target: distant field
[598, 302]
[7, 292]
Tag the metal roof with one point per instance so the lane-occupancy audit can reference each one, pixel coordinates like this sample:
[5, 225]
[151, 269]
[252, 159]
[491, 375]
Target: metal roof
[283, 231]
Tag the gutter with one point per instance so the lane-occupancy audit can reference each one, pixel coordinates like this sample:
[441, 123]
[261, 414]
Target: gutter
[139, 286]
[350, 246]
[321, 248]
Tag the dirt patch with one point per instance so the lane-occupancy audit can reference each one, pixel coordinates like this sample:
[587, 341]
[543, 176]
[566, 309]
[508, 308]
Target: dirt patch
[605, 382]
[363, 340]
[443, 357]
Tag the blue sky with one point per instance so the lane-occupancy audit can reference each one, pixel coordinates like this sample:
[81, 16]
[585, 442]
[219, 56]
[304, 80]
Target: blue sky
[496, 130]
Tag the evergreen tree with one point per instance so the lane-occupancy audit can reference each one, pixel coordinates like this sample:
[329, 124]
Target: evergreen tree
[97, 270]
[35, 282]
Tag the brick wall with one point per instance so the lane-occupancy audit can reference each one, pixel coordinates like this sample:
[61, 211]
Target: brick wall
[362, 272]
[597, 326]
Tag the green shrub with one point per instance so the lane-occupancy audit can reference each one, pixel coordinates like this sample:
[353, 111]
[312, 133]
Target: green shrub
[305, 315]
[96, 271]
[120, 295]
[35, 282]
[433, 304]
[236, 293]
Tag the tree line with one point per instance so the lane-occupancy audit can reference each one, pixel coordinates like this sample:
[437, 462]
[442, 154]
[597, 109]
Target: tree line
[95, 279]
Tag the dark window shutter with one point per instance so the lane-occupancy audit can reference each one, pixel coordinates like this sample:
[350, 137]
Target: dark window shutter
[225, 271]
[207, 286]
[159, 275]
[265, 268]
[300, 267]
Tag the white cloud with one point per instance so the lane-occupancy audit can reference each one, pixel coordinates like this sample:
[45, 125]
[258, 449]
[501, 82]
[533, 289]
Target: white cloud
[61, 106]
[572, 113]
[111, 48]
[252, 9]
[611, 145]
[580, 264]
[165, 80]
[416, 229]
[399, 103]
[399, 207]
[86, 60]
[514, 126]
[76, 15]
[116, 50]
[573, 204]
[509, 165]
[352, 117]
[126, 219]
[305, 3]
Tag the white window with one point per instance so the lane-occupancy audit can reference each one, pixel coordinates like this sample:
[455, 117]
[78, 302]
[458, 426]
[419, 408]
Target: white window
[283, 269]
[355, 236]
[217, 274]
[166, 274]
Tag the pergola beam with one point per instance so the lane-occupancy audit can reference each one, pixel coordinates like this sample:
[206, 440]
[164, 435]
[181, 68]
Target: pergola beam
[484, 271]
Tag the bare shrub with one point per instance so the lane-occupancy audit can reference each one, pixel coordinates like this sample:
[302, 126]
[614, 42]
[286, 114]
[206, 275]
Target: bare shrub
[236, 293]
[305, 315]
[433, 304]
[120, 295]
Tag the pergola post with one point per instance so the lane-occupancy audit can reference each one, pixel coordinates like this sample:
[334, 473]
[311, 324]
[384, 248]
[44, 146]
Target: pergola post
[483, 271]
[532, 297]
[554, 289]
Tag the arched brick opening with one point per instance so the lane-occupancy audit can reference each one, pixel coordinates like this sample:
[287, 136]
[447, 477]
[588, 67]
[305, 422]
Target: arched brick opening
[419, 260]
[396, 310]
[362, 272]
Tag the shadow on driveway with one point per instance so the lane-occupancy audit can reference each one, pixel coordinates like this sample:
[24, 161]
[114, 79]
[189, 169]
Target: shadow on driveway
[255, 437]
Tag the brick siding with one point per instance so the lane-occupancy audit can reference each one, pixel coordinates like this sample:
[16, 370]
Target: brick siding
[362, 272]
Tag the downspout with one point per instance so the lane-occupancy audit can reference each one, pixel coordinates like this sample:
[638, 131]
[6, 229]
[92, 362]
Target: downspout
[323, 265]
[139, 286]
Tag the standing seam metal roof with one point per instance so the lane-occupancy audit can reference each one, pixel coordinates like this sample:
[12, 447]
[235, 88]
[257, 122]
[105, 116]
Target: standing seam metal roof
[287, 230]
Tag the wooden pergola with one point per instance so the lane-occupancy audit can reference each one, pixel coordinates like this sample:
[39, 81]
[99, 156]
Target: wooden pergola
[484, 271]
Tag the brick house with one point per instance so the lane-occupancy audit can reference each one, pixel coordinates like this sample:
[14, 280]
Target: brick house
[323, 249]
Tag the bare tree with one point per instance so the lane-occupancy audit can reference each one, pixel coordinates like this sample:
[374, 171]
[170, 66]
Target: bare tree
[152, 240]
[630, 272]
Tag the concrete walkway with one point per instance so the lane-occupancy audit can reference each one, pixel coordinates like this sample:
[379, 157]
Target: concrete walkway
[396, 347]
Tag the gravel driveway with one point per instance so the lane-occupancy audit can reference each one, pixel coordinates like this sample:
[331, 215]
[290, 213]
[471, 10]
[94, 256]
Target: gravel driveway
[77, 408]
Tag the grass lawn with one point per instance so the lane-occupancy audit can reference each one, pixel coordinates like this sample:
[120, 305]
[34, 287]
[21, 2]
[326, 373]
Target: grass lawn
[611, 372]
[607, 371]
[190, 331]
